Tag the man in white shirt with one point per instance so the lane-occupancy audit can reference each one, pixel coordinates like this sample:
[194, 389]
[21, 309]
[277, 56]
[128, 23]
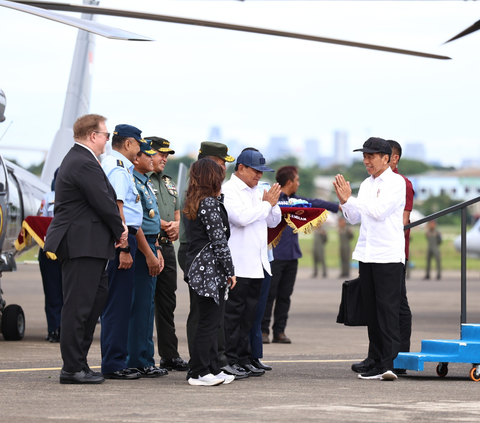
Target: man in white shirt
[380, 250]
[249, 217]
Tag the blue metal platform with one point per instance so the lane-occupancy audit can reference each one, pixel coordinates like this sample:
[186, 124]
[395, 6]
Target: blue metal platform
[444, 351]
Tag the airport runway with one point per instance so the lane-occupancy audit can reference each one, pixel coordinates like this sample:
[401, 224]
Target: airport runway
[311, 378]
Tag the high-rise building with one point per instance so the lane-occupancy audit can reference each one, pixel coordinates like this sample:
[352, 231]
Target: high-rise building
[341, 155]
[278, 148]
[311, 153]
[215, 134]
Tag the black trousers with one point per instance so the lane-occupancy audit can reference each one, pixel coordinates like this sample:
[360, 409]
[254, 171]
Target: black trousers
[381, 288]
[51, 271]
[405, 320]
[284, 273]
[240, 311]
[165, 304]
[85, 290]
[405, 315]
[204, 358]
[193, 315]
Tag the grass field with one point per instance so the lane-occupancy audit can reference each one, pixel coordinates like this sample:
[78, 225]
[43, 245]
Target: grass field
[450, 258]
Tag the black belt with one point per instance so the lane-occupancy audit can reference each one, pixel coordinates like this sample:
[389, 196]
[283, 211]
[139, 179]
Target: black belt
[164, 240]
[151, 238]
[132, 230]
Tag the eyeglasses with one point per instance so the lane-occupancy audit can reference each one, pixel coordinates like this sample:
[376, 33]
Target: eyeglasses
[107, 134]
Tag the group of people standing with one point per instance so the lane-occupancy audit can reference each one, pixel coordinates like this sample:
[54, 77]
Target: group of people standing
[108, 237]
[113, 233]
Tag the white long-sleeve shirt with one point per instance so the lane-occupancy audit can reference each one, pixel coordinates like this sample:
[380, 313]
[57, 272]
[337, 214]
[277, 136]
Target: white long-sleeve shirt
[249, 218]
[379, 207]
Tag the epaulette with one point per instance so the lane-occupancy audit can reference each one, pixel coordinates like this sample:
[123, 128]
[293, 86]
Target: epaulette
[120, 163]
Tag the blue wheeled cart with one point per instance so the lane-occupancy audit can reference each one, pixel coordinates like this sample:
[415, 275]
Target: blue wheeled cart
[444, 351]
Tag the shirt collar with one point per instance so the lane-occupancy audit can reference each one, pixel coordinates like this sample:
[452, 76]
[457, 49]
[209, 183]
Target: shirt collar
[118, 155]
[240, 184]
[140, 177]
[385, 176]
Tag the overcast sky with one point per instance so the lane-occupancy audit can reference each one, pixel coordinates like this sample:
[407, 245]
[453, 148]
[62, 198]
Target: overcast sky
[257, 86]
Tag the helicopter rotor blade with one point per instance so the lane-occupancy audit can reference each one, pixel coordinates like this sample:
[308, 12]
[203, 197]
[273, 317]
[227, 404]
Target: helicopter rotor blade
[94, 27]
[469, 30]
[211, 24]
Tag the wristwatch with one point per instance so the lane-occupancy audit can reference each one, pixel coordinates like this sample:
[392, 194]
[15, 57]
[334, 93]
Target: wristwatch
[158, 248]
[127, 249]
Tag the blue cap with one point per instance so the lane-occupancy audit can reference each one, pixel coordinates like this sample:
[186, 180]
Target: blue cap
[253, 159]
[128, 131]
[146, 147]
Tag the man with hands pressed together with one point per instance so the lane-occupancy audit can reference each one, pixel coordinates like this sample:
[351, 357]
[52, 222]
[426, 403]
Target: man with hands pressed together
[249, 218]
[380, 250]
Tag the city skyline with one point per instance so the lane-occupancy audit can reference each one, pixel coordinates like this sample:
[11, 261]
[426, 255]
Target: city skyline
[253, 86]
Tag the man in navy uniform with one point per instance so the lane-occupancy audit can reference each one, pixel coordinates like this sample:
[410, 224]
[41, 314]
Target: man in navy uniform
[148, 265]
[118, 166]
[82, 235]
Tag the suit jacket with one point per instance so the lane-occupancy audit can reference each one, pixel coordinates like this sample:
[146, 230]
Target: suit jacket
[87, 220]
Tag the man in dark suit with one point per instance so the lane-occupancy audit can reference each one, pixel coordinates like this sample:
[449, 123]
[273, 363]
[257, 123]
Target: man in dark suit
[82, 235]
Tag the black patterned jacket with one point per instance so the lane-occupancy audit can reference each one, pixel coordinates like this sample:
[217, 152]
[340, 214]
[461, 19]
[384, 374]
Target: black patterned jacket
[209, 262]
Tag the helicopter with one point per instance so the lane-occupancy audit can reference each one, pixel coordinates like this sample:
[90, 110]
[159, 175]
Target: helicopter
[20, 191]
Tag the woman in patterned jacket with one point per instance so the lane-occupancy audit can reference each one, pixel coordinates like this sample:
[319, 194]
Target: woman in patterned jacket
[209, 269]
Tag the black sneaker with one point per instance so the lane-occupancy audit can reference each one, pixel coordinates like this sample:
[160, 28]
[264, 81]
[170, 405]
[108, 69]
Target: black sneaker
[178, 364]
[151, 371]
[380, 373]
[364, 366]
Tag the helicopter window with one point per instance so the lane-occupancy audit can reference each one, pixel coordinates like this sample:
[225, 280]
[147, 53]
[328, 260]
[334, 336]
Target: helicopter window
[467, 190]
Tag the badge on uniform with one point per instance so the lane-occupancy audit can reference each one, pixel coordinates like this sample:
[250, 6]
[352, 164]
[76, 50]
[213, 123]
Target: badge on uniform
[172, 189]
[137, 199]
[151, 213]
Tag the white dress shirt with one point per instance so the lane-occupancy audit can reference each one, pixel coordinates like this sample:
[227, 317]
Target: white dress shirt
[249, 218]
[379, 207]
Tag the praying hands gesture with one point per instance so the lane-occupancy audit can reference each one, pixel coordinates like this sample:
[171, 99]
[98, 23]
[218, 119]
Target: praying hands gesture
[342, 189]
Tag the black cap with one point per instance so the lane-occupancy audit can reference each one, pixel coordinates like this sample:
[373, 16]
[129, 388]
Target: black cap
[160, 144]
[375, 145]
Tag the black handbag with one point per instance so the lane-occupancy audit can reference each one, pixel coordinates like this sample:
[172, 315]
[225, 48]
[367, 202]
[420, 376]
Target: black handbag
[351, 311]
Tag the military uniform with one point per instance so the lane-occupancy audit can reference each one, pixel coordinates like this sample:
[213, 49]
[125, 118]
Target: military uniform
[115, 320]
[140, 332]
[166, 282]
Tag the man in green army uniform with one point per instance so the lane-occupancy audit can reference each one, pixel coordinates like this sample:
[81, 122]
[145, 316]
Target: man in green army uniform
[166, 284]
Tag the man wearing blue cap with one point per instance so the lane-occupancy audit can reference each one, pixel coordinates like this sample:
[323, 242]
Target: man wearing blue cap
[380, 251]
[249, 218]
[148, 265]
[118, 167]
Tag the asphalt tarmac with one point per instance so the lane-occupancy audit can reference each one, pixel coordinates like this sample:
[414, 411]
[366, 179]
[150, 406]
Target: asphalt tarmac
[311, 378]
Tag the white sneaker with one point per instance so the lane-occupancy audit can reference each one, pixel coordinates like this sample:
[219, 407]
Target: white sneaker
[226, 378]
[207, 380]
[389, 375]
